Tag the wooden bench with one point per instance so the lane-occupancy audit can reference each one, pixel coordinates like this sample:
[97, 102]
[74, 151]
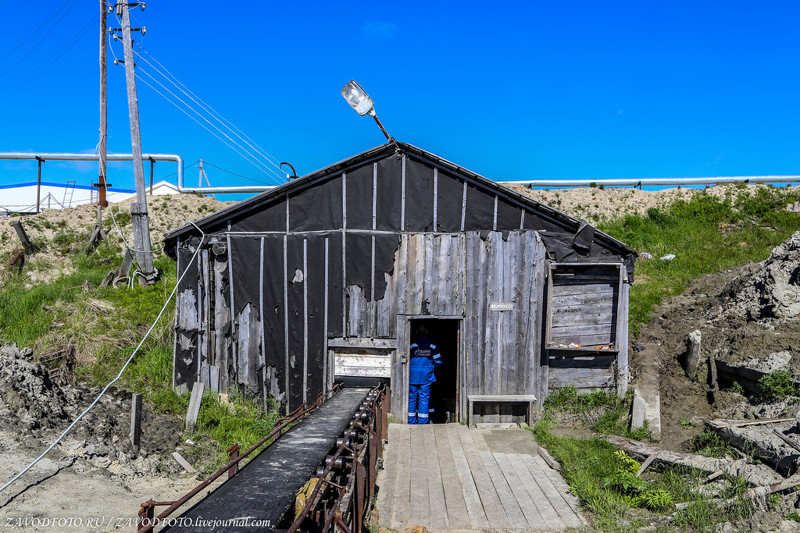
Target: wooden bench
[530, 399]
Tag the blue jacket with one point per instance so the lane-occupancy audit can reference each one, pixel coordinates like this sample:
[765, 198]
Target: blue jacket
[425, 357]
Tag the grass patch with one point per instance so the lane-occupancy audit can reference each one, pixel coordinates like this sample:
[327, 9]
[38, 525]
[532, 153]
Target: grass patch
[710, 444]
[707, 234]
[604, 480]
[776, 385]
[106, 324]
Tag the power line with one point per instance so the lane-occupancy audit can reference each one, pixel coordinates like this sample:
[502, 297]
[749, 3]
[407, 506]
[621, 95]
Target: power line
[265, 169]
[213, 112]
[201, 124]
[252, 159]
[41, 40]
[34, 32]
[173, 173]
[53, 58]
[234, 173]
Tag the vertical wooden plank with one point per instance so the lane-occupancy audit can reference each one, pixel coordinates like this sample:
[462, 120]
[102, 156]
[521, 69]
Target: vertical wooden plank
[420, 500]
[326, 384]
[423, 266]
[401, 275]
[504, 492]
[401, 506]
[374, 196]
[492, 505]
[490, 341]
[403, 195]
[262, 359]
[373, 306]
[464, 206]
[494, 216]
[534, 266]
[475, 509]
[287, 369]
[537, 467]
[242, 367]
[234, 336]
[527, 506]
[222, 317]
[435, 199]
[177, 310]
[344, 253]
[508, 355]
[622, 335]
[438, 507]
[549, 306]
[456, 512]
[373, 297]
[199, 334]
[543, 506]
[305, 320]
[400, 372]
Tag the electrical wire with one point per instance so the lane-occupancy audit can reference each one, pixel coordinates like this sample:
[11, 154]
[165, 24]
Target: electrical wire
[34, 32]
[281, 175]
[234, 173]
[78, 419]
[257, 162]
[53, 58]
[249, 157]
[210, 110]
[173, 173]
[232, 147]
[212, 113]
[41, 40]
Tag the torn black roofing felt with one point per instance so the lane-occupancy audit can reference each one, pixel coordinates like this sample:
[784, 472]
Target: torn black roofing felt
[569, 223]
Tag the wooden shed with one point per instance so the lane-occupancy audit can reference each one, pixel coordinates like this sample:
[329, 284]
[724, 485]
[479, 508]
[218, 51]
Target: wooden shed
[325, 278]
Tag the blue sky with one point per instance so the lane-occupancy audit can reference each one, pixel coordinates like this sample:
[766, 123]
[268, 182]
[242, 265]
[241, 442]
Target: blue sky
[511, 90]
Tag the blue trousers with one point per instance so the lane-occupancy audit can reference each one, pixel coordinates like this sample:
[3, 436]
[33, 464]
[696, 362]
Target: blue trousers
[418, 399]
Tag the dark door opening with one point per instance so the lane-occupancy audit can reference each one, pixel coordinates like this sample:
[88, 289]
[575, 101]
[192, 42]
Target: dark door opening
[444, 392]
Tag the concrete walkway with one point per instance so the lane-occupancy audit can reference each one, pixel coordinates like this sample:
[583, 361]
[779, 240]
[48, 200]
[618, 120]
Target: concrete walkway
[470, 480]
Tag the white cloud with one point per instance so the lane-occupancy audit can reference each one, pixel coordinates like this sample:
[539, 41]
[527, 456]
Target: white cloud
[379, 30]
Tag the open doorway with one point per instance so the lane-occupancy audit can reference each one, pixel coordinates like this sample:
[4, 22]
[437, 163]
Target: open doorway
[444, 392]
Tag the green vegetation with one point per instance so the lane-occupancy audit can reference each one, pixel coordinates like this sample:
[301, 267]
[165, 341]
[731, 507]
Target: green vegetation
[105, 325]
[776, 385]
[603, 411]
[605, 481]
[710, 444]
[707, 234]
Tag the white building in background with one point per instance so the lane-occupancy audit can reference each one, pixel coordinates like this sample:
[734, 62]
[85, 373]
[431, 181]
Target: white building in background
[21, 197]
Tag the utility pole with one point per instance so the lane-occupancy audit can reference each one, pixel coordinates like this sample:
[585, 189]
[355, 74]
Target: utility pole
[141, 226]
[103, 147]
[39, 186]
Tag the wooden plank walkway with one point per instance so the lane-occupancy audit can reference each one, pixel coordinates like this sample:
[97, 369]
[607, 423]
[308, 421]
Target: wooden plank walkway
[470, 479]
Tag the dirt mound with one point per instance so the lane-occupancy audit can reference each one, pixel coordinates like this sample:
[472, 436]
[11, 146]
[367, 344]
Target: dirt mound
[594, 204]
[60, 234]
[748, 317]
[774, 290]
[29, 399]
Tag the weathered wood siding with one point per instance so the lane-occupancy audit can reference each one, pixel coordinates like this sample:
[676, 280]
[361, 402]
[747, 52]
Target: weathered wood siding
[502, 348]
[584, 305]
[354, 253]
[586, 330]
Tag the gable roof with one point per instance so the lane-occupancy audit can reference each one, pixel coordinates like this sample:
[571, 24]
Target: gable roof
[570, 223]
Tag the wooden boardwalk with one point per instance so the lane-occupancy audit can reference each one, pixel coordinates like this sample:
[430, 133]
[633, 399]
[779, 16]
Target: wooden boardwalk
[470, 479]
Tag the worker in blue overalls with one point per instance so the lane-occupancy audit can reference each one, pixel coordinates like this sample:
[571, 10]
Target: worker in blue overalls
[425, 358]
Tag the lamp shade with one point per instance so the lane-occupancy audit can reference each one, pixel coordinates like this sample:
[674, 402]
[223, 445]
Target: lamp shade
[358, 98]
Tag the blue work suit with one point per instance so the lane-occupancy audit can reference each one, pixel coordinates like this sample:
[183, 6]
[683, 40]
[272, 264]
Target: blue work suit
[425, 358]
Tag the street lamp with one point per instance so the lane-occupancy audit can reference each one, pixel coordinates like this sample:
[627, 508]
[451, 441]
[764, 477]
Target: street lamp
[360, 101]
